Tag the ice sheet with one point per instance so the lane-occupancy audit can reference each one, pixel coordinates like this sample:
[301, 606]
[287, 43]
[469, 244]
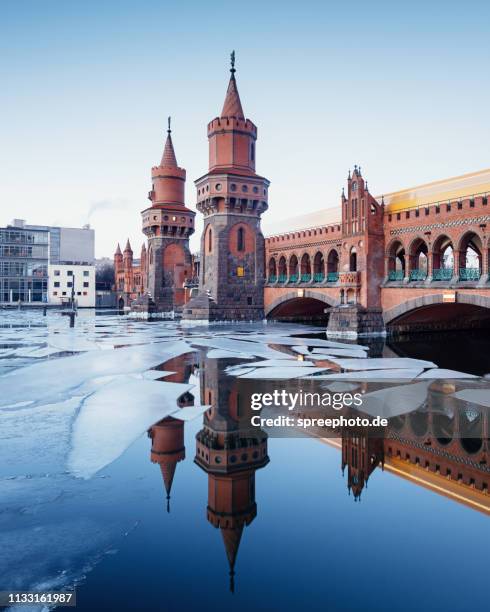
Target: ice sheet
[373, 375]
[281, 373]
[379, 363]
[474, 396]
[111, 419]
[443, 373]
[394, 401]
[343, 352]
[57, 379]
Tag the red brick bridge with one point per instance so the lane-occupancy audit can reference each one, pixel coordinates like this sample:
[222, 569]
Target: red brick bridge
[413, 259]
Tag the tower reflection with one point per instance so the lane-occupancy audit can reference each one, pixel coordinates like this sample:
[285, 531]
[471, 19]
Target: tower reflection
[230, 451]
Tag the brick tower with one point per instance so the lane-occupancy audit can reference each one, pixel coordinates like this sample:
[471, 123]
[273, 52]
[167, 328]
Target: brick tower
[167, 224]
[232, 198]
[361, 262]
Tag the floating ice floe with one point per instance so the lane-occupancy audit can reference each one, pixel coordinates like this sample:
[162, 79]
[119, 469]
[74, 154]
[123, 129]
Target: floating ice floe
[58, 379]
[436, 373]
[240, 346]
[111, 419]
[343, 352]
[281, 373]
[225, 354]
[373, 375]
[189, 412]
[395, 401]
[474, 396]
[379, 363]
[282, 363]
[341, 387]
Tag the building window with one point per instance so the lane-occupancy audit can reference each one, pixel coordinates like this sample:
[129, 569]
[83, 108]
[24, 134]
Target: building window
[240, 239]
[240, 271]
[64, 293]
[55, 293]
[252, 152]
[79, 293]
[85, 284]
[69, 272]
[56, 272]
[210, 240]
[69, 284]
[85, 272]
[56, 283]
[84, 293]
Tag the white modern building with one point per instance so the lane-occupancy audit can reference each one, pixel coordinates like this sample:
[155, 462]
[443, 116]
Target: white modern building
[71, 280]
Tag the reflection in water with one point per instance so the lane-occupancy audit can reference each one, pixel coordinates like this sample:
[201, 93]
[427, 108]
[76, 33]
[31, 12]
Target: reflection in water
[441, 445]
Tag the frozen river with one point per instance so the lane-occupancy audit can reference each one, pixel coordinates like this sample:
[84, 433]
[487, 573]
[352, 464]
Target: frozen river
[126, 450]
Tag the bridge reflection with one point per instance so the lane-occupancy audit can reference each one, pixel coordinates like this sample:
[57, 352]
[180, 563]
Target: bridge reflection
[441, 445]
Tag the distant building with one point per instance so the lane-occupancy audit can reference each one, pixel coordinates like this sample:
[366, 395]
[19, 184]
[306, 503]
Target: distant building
[46, 264]
[129, 275]
[24, 257]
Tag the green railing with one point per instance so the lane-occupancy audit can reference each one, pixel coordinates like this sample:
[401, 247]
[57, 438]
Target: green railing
[332, 277]
[318, 277]
[306, 278]
[396, 275]
[469, 274]
[282, 278]
[442, 274]
[293, 278]
[418, 275]
[272, 278]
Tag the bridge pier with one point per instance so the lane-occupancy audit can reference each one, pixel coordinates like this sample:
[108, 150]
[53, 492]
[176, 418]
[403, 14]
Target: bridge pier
[353, 320]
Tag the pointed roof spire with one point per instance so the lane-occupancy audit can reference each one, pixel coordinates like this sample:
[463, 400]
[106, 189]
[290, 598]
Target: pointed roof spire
[118, 250]
[168, 472]
[231, 539]
[168, 158]
[232, 106]
[128, 247]
[143, 248]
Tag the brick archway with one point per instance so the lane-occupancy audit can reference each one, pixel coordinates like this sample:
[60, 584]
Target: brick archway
[293, 295]
[390, 315]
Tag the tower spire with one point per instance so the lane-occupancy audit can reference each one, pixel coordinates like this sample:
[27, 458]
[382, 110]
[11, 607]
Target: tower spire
[168, 158]
[232, 106]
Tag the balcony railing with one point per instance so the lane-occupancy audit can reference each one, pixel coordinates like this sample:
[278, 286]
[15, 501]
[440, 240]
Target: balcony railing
[469, 274]
[418, 275]
[318, 277]
[293, 278]
[282, 278]
[442, 274]
[396, 275]
[272, 278]
[306, 278]
[332, 277]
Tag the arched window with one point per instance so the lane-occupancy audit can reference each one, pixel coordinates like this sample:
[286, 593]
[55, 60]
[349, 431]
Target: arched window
[353, 260]
[240, 239]
[210, 240]
[252, 152]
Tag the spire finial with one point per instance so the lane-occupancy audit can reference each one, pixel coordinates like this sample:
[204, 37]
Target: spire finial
[232, 62]
[168, 129]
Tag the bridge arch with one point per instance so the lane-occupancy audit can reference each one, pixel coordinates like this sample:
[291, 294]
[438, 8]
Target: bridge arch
[471, 250]
[311, 299]
[272, 269]
[396, 256]
[418, 253]
[333, 261]
[481, 302]
[443, 253]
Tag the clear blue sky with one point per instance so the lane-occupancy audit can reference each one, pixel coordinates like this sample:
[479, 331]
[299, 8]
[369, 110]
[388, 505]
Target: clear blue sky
[400, 88]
